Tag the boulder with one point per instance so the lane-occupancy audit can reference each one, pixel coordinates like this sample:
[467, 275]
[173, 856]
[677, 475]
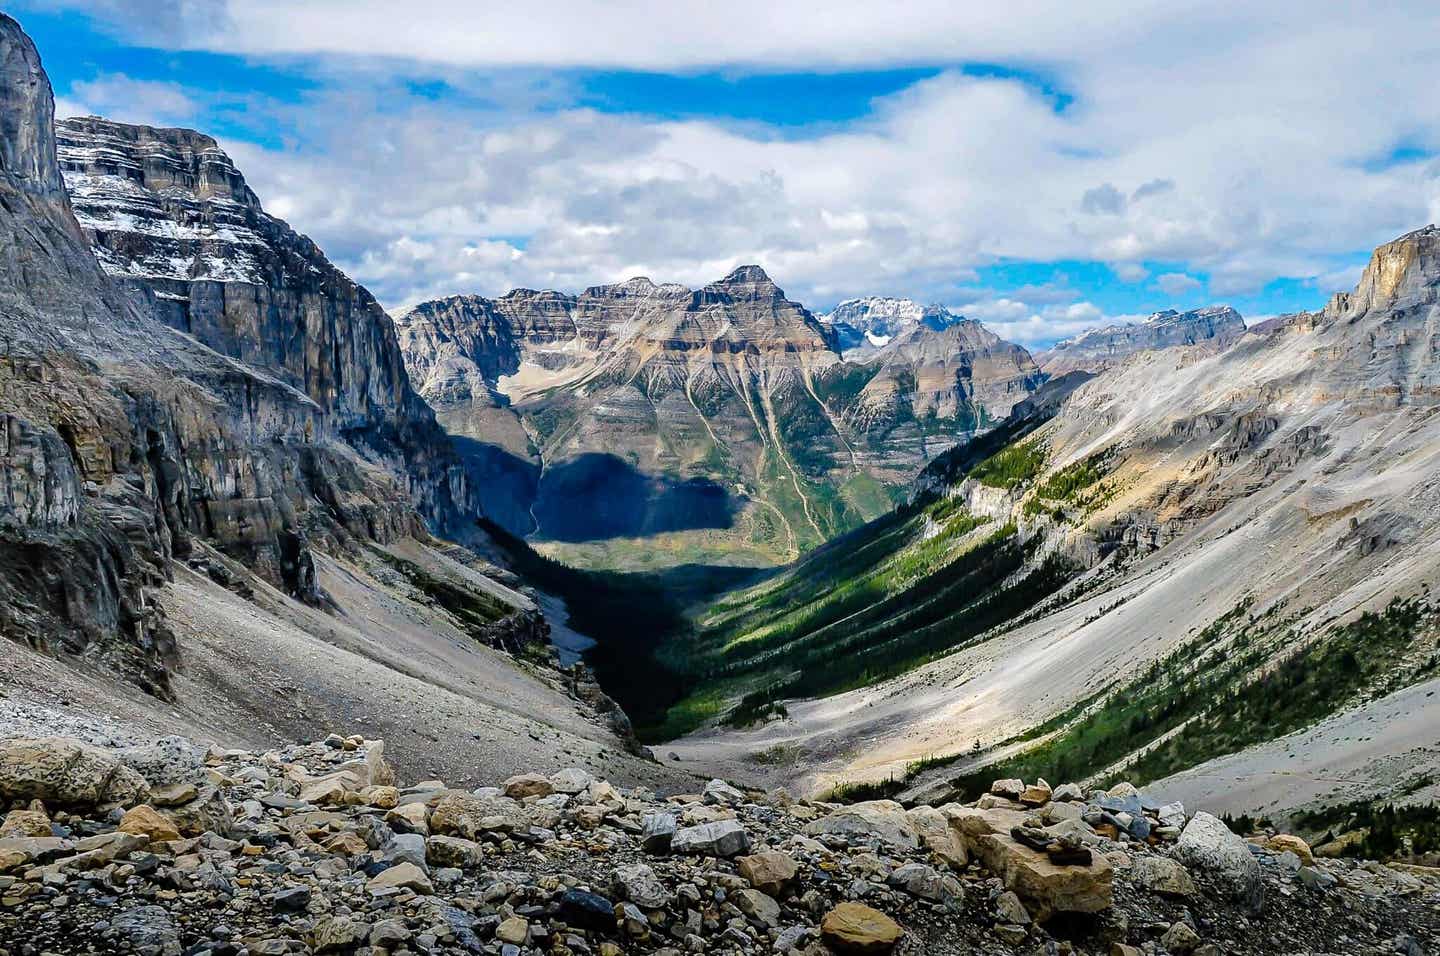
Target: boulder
[926, 882]
[1207, 844]
[938, 836]
[758, 906]
[570, 780]
[25, 823]
[453, 851]
[209, 812]
[1281, 842]
[165, 762]
[1010, 788]
[1051, 887]
[724, 838]
[638, 884]
[468, 816]
[658, 831]
[67, 772]
[401, 875]
[854, 929]
[528, 785]
[147, 821]
[1036, 795]
[768, 871]
[883, 820]
[1160, 874]
[720, 793]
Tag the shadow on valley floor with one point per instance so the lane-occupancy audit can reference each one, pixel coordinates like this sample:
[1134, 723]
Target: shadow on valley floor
[596, 496]
[506, 483]
[631, 616]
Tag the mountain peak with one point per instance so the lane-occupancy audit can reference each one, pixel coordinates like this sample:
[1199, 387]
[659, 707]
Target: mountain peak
[747, 274]
[1404, 268]
[27, 136]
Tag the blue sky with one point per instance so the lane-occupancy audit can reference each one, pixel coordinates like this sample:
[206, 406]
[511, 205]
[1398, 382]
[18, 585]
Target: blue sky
[1043, 171]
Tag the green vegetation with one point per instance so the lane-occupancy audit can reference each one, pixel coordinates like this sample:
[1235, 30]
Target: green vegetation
[1389, 831]
[1076, 487]
[472, 608]
[1207, 697]
[1012, 465]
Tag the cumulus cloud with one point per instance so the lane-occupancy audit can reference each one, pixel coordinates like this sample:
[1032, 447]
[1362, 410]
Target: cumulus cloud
[1246, 158]
[1177, 283]
[120, 97]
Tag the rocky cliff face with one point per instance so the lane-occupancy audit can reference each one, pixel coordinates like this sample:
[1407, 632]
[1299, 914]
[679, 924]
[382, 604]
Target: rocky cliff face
[215, 480]
[1216, 327]
[169, 215]
[723, 421]
[126, 441]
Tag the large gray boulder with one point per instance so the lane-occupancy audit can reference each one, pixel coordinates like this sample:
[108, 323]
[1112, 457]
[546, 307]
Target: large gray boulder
[67, 772]
[1208, 845]
[884, 821]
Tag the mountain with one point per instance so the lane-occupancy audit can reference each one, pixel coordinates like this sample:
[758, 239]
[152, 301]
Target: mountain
[639, 423]
[1216, 327]
[220, 498]
[1156, 572]
[866, 324]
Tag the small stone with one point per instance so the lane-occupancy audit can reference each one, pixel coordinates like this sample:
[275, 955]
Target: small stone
[768, 871]
[639, 884]
[514, 930]
[1010, 910]
[145, 820]
[528, 785]
[338, 934]
[758, 906]
[1161, 875]
[854, 929]
[1036, 795]
[725, 838]
[1282, 842]
[1180, 939]
[292, 899]
[587, 911]
[1010, 788]
[721, 793]
[658, 830]
[571, 780]
[406, 875]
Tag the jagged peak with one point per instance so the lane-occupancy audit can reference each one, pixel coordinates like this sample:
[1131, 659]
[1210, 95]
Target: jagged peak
[1407, 267]
[746, 274]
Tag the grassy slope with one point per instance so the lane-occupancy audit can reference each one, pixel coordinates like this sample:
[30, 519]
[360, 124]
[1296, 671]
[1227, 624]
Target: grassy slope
[913, 585]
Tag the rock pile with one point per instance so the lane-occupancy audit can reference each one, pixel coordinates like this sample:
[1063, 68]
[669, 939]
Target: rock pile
[167, 850]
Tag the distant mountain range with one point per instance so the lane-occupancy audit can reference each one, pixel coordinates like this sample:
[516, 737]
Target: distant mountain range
[1214, 328]
[724, 423]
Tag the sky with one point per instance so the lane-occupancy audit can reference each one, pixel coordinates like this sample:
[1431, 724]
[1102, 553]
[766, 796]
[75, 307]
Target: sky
[1044, 167]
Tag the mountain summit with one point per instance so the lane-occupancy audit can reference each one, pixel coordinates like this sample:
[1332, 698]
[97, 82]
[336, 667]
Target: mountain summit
[723, 421]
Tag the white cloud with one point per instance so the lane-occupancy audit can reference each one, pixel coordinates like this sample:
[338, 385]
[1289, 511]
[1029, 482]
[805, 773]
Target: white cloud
[1177, 283]
[120, 97]
[1234, 141]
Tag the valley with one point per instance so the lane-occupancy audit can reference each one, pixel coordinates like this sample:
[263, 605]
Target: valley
[691, 617]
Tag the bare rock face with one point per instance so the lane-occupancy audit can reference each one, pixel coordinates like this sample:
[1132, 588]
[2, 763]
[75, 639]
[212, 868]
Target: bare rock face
[1216, 328]
[726, 413]
[279, 428]
[170, 216]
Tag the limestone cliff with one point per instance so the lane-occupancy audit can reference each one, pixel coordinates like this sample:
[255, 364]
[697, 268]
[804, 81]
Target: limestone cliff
[126, 441]
[170, 216]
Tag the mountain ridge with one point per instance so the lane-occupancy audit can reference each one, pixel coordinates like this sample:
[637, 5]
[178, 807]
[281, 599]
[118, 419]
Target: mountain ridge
[737, 420]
